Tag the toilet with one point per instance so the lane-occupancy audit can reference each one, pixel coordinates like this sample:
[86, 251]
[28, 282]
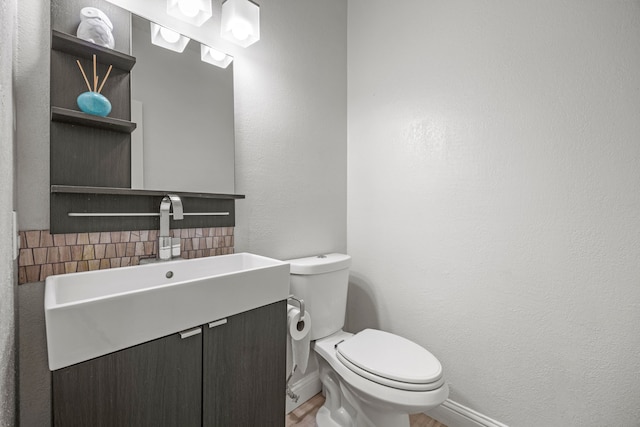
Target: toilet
[372, 378]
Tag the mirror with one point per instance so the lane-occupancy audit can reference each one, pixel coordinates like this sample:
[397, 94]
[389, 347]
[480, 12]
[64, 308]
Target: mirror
[184, 110]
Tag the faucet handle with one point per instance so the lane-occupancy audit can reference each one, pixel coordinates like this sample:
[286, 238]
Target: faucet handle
[164, 247]
[175, 247]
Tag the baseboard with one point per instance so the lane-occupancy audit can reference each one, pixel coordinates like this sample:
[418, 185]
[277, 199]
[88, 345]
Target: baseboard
[454, 414]
[307, 387]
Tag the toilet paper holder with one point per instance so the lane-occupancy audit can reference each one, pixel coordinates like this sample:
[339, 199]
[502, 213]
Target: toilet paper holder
[293, 396]
[300, 304]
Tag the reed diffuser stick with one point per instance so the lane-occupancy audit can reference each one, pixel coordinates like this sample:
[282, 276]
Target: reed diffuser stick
[105, 78]
[83, 74]
[95, 75]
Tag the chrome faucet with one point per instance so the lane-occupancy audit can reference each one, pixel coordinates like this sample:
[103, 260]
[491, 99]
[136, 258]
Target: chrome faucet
[169, 247]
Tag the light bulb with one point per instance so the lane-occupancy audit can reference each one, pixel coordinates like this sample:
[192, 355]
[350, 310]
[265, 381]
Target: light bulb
[189, 8]
[169, 35]
[194, 12]
[214, 56]
[217, 55]
[241, 30]
[240, 22]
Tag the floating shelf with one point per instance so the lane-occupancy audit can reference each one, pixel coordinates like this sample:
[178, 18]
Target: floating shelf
[72, 45]
[74, 117]
[77, 189]
[80, 209]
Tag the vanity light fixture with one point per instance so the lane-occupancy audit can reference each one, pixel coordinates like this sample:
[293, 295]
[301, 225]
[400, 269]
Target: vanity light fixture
[214, 56]
[168, 39]
[194, 12]
[241, 22]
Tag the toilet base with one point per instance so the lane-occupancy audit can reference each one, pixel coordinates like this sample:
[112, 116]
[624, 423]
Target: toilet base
[324, 418]
[342, 407]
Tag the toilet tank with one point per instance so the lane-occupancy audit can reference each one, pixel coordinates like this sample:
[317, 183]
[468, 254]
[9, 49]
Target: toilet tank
[322, 282]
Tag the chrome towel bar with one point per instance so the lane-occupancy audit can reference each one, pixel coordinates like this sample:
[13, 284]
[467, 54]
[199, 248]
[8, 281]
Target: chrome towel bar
[125, 214]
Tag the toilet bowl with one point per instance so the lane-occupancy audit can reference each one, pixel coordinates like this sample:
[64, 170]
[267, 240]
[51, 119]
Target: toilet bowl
[375, 399]
[372, 378]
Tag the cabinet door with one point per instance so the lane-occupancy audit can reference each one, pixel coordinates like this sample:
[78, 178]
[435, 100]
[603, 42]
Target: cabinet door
[153, 384]
[244, 367]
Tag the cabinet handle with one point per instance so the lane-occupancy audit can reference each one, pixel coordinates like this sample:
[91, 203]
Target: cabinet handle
[190, 332]
[217, 323]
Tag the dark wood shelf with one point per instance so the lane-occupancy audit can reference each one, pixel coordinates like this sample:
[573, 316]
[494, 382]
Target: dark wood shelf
[74, 46]
[74, 117]
[76, 189]
[116, 209]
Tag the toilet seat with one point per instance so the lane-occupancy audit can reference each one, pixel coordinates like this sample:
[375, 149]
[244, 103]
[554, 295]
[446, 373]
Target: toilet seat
[390, 360]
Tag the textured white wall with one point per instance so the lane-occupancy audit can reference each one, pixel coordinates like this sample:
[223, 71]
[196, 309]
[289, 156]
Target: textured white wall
[494, 198]
[33, 113]
[290, 91]
[31, 66]
[7, 275]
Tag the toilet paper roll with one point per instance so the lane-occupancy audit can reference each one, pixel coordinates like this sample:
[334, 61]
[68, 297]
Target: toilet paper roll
[299, 333]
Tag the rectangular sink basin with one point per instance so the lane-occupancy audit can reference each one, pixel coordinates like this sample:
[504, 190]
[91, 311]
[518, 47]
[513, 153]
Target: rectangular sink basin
[94, 313]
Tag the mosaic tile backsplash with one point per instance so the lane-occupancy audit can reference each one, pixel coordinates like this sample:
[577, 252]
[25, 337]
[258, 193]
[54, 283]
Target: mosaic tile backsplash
[43, 254]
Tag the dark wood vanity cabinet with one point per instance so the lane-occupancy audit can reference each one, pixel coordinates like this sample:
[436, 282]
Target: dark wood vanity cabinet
[152, 384]
[232, 374]
[244, 369]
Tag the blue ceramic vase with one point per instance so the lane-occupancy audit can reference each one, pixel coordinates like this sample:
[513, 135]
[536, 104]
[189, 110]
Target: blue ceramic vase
[94, 103]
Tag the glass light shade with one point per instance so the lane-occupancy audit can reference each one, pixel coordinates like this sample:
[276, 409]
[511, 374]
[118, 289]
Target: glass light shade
[168, 39]
[214, 56]
[194, 12]
[240, 22]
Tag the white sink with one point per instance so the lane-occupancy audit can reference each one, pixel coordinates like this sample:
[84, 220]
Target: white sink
[93, 313]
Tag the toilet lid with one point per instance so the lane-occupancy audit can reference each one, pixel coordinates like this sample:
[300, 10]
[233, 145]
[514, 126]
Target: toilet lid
[391, 360]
